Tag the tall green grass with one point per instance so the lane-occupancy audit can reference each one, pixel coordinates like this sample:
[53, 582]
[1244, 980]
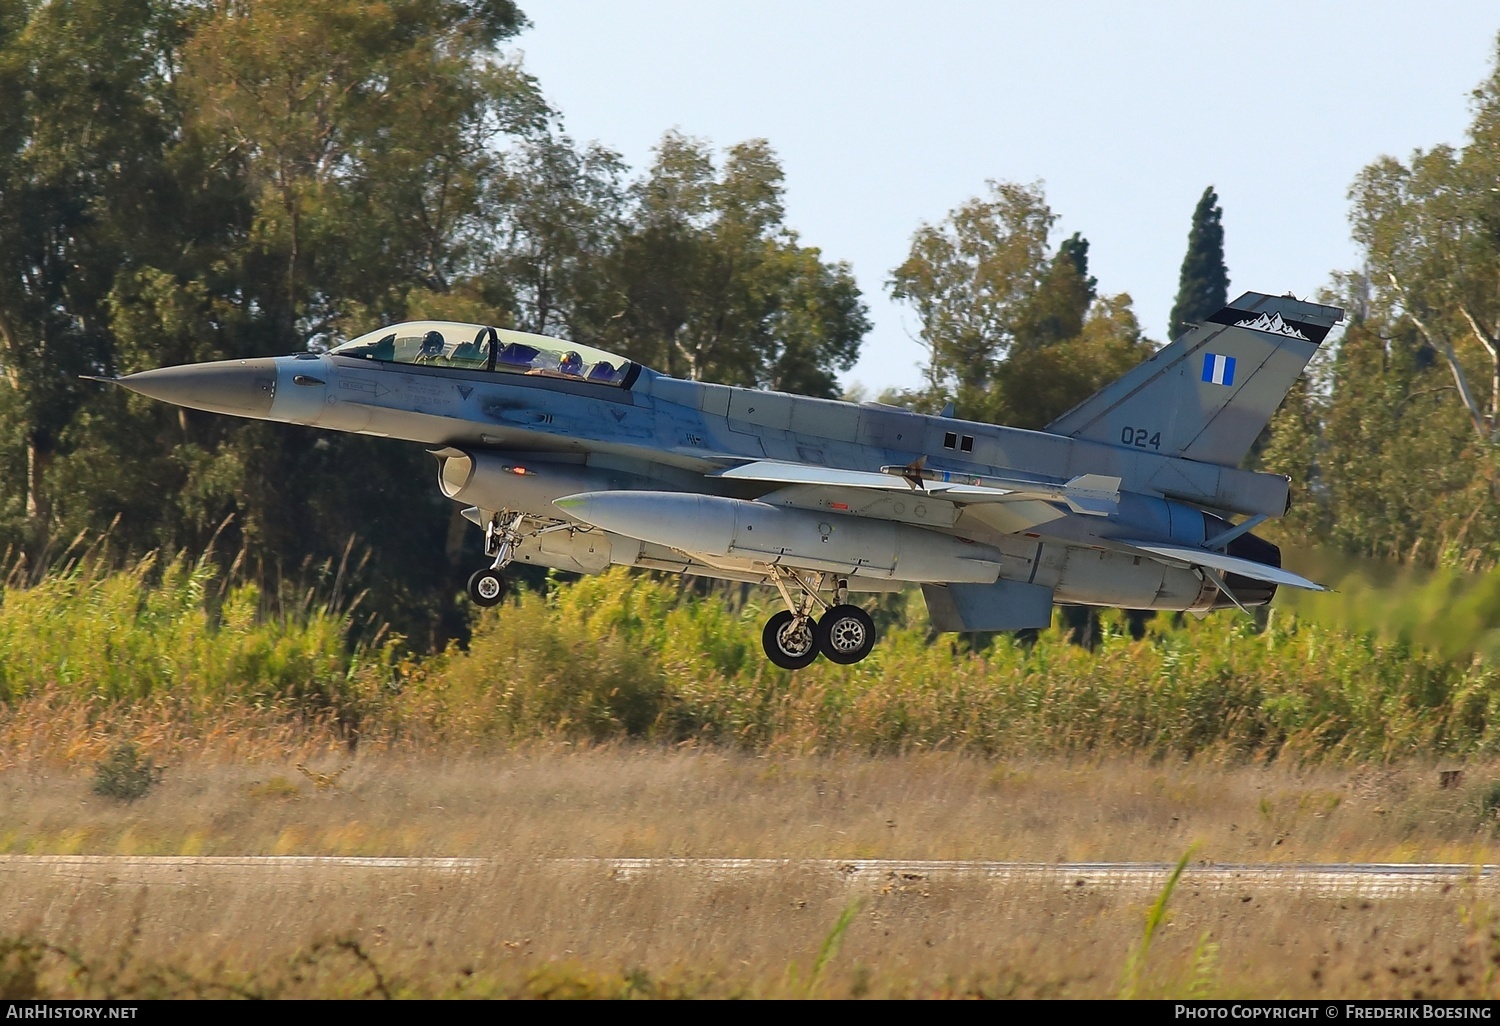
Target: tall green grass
[618, 656]
[632, 656]
[170, 633]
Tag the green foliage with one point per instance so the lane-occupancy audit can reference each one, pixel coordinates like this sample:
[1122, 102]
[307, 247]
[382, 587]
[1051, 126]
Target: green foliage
[1136, 961]
[619, 657]
[1403, 441]
[971, 280]
[561, 213]
[189, 182]
[1036, 385]
[1394, 438]
[1491, 802]
[623, 656]
[164, 635]
[826, 951]
[81, 134]
[126, 774]
[1015, 336]
[706, 281]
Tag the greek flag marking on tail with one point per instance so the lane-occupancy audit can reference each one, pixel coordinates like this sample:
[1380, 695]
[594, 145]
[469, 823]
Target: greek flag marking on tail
[1218, 370]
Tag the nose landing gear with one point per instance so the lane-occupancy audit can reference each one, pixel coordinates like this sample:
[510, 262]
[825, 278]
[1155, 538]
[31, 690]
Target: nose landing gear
[792, 639]
[488, 587]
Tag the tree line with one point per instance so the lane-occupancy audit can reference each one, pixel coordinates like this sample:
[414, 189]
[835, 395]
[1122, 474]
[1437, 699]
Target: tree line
[188, 180]
[1398, 430]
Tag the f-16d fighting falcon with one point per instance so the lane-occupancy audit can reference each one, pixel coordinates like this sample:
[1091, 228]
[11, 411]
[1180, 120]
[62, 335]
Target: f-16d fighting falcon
[570, 457]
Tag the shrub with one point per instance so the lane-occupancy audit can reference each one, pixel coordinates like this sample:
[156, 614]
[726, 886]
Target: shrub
[126, 774]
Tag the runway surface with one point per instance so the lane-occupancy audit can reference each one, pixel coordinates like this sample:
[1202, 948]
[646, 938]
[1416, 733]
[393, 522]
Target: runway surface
[1361, 879]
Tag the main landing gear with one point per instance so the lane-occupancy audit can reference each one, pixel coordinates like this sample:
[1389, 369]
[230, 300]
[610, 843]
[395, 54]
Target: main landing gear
[487, 587]
[793, 639]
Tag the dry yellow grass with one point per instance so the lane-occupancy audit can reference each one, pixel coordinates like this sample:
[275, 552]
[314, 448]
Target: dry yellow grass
[532, 925]
[556, 800]
[536, 927]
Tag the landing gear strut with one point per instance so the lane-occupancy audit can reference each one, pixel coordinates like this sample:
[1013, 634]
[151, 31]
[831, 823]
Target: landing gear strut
[487, 587]
[792, 638]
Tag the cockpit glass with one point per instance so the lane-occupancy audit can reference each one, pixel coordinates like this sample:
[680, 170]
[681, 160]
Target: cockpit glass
[480, 348]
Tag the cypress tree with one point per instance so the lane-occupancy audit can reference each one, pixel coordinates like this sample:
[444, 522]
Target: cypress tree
[1203, 288]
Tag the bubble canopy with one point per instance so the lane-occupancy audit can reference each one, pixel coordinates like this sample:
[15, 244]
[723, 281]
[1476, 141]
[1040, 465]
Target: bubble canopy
[477, 347]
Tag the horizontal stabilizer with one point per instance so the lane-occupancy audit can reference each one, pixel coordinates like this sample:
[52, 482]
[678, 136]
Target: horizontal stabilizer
[1223, 563]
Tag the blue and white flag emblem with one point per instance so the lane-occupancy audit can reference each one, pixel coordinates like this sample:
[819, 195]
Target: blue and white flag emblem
[1218, 370]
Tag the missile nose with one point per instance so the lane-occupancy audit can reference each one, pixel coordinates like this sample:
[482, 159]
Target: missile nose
[242, 388]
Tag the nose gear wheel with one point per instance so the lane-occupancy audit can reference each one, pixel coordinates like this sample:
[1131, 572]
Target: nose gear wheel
[487, 587]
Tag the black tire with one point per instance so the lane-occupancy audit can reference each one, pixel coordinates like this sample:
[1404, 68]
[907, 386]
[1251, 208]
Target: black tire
[845, 634]
[487, 587]
[789, 649]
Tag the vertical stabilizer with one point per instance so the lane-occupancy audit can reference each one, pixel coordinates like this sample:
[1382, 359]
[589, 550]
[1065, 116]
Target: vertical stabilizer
[1207, 395]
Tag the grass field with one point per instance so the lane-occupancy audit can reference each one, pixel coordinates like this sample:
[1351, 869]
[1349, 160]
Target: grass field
[556, 800]
[624, 717]
[537, 926]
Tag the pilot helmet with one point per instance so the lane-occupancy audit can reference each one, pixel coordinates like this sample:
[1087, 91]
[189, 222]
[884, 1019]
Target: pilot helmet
[432, 343]
[571, 363]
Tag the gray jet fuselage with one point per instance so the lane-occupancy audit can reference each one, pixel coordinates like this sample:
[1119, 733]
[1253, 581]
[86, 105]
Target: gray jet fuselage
[572, 458]
[670, 435]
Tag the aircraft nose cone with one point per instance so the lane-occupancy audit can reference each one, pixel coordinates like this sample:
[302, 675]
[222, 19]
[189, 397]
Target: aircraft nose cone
[243, 388]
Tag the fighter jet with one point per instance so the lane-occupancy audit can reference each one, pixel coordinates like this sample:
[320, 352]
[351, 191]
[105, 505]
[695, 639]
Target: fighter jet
[567, 456]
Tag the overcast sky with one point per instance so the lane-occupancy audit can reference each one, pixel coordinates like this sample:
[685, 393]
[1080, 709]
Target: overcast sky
[886, 115]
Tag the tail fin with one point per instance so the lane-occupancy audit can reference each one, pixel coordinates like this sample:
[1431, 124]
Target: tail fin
[1207, 395]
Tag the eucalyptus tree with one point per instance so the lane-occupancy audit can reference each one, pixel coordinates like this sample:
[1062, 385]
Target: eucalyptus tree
[1430, 231]
[365, 137]
[559, 211]
[1407, 459]
[971, 279]
[708, 282]
[82, 132]
[1016, 333]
